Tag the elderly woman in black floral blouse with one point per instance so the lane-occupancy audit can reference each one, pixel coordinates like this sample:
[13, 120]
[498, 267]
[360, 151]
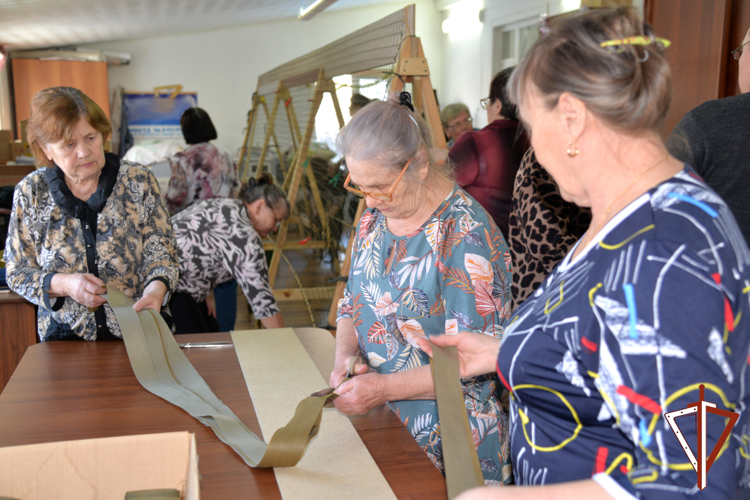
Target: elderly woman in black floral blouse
[86, 221]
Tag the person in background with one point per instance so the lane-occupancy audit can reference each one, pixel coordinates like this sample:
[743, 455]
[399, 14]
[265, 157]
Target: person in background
[542, 228]
[713, 139]
[456, 121]
[426, 259]
[202, 172]
[86, 221]
[648, 312]
[486, 161]
[358, 102]
[220, 239]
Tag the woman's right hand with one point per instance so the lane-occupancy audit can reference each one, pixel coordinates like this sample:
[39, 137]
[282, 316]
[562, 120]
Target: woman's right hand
[86, 289]
[477, 353]
[341, 370]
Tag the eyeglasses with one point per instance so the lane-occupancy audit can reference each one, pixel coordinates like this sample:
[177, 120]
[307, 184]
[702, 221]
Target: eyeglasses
[378, 196]
[737, 53]
[485, 103]
[466, 121]
[278, 219]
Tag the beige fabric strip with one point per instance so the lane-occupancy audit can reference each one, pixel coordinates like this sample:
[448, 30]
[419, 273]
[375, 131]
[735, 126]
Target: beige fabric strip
[462, 470]
[278, 372]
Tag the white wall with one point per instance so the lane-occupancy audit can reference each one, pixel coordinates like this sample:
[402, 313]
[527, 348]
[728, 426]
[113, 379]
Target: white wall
[223, 66]
[467, 61]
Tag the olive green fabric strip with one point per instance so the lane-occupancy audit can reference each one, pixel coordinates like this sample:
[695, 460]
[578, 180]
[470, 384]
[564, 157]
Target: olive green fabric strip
[161, 367]
[163, 494]
[462, 471]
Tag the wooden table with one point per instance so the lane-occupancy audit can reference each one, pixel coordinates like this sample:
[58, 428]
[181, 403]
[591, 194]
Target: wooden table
[17, 332]
[77, 390]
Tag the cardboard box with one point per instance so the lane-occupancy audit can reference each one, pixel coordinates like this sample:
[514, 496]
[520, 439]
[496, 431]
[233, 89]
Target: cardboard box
[24, 137]
[17, 149]
[101, 468]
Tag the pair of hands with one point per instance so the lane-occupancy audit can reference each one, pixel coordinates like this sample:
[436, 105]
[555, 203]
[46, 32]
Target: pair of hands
[360, 394]
[477, 355]
[87, 290]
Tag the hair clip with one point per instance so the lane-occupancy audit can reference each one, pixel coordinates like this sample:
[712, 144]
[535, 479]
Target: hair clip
[636, 40]
[405, 100]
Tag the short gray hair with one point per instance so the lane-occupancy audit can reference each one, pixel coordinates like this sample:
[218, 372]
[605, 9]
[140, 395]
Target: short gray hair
[389, 134]
[451, 111]
[628, 86]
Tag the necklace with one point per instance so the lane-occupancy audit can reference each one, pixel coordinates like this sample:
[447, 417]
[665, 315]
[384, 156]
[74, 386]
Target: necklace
[609, 208]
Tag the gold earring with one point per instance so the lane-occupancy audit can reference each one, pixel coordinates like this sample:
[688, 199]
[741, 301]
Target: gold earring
[572, 150]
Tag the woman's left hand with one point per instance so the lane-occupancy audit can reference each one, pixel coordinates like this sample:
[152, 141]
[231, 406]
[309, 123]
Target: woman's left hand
[361, 394]
[153, 296]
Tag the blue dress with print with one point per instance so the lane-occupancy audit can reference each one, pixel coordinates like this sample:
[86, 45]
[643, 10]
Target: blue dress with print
[452, 274]
[627, 332]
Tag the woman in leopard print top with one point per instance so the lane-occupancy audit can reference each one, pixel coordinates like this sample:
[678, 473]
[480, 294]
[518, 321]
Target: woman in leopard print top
[542, 228]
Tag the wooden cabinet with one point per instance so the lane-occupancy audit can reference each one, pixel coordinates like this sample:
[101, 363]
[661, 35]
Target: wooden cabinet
[17, 332]
[703, 34]
[32, 75]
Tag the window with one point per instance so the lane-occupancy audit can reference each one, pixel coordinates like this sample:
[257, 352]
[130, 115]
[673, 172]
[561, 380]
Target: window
[511, 42]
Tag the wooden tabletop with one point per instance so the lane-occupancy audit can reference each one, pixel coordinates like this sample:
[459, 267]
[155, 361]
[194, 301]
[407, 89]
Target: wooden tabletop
[7, 297]
[70, 390]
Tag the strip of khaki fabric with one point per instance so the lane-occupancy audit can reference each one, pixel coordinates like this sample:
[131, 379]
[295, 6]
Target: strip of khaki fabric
[278, 371]
[460, 459]
[162, 369]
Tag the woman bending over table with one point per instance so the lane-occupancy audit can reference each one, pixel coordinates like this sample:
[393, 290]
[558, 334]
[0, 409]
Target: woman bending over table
[219, 240]
[649, 307]
[427, 259]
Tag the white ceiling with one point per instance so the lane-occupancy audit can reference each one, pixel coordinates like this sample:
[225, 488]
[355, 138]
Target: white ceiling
[26, 24]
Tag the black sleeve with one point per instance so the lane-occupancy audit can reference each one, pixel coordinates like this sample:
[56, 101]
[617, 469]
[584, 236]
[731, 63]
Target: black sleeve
[686, 143]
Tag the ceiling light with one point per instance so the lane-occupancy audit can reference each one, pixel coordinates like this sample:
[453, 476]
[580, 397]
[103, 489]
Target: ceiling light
[316, 8]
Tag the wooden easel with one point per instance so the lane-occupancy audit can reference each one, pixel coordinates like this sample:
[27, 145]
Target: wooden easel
[411, 68]
[282, 95]
[300, 165]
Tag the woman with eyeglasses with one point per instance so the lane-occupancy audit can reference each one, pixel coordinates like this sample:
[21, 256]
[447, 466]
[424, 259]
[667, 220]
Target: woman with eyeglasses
[220, 239]
[427, 259]
[456, 121]
[486, 161]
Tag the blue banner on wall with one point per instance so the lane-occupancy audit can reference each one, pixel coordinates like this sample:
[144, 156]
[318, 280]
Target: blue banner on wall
[154, 117]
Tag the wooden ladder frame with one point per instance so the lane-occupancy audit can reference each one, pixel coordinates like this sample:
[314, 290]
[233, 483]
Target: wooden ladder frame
[300, 167]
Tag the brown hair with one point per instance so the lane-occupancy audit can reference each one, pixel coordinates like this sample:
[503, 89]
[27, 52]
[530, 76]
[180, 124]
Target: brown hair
[55, 112]
[628, 86]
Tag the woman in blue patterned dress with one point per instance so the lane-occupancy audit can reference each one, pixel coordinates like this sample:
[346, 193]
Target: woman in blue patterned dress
[647, 315]
[427, 259]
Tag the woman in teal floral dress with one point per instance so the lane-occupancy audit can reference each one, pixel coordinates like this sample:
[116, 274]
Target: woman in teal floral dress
[427, 260]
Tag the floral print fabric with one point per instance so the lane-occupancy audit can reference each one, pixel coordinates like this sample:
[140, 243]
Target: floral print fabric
[134, 246]
[452, 274]
[201, 172]
[216, 242]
